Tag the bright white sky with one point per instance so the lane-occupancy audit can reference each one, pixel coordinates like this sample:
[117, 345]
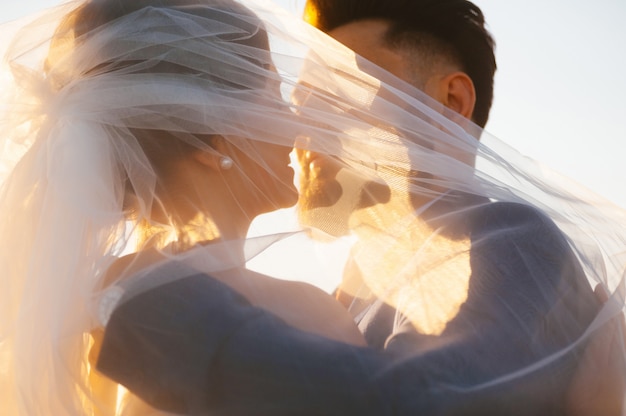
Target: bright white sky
[560, 87]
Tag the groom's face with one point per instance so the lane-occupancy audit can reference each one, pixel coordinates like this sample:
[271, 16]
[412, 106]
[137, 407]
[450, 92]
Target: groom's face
[329, 192]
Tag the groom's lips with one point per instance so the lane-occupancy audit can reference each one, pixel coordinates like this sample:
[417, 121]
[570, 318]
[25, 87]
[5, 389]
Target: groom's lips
[320, 164]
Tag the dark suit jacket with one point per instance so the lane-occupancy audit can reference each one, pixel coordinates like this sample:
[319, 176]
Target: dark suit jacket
[194, 346]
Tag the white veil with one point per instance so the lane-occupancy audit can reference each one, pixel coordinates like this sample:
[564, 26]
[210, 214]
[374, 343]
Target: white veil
[99, 111]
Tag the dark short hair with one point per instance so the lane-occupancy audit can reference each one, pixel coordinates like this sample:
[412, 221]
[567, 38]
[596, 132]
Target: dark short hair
[458, 24]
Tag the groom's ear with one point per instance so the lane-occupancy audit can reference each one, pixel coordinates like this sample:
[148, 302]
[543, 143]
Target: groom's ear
[455, 90]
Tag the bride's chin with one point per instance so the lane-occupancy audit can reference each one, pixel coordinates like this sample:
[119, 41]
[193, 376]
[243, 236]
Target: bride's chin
[286, 191]
[290, 198]
[281, 197]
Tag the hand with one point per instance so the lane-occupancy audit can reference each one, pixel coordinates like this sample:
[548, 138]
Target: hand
[599, 384]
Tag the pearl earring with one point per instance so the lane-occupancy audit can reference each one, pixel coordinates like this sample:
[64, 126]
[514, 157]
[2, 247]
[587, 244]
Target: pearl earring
[226, 163]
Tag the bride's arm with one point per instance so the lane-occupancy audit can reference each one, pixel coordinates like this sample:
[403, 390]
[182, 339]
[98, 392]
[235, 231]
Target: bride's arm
[599, 384]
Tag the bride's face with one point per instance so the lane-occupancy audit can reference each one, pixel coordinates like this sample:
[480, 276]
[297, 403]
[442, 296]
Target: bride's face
[267, 179]
[262, 178]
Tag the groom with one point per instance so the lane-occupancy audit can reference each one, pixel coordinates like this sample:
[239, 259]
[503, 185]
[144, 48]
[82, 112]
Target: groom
[453, 62]
[240, 358]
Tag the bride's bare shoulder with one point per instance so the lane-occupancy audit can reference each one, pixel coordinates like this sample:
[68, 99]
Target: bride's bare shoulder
[301, 305]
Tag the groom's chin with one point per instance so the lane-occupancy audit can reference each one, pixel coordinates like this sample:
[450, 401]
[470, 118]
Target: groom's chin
[328, 220]
[321, 208]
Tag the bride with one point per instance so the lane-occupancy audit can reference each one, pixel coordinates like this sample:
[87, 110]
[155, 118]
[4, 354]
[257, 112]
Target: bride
[156, 133]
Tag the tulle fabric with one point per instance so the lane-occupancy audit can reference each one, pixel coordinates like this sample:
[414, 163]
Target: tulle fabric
[76, 109]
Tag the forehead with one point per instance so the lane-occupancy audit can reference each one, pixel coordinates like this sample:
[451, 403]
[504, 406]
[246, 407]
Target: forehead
[367, 38]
